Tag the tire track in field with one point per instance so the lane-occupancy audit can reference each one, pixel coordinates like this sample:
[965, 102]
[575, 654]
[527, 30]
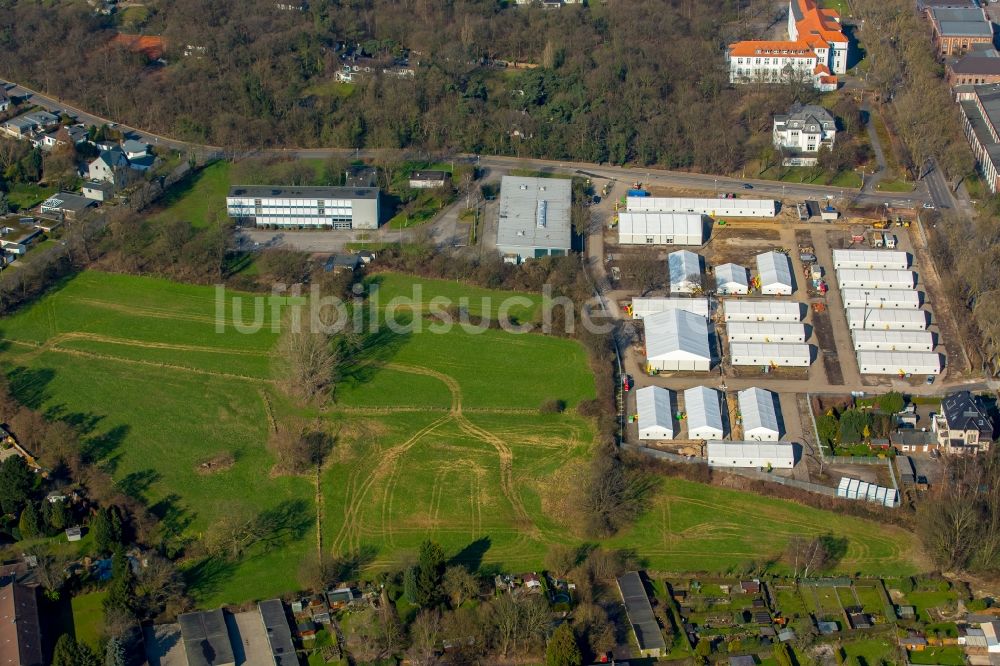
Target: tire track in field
[145, 344]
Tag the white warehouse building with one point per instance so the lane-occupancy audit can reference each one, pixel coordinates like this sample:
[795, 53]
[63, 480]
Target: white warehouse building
[776, 354]
[898, 363]
[659, 228]
[886, 320]
[752, 454]
[654, 405]
[761, 310]
[775, 272]
[534, 218]
[731, 279]
[711, 207]
[677, 340]
[868, 340]
[883, 299]
[871, 259]
[643, 307]
[766, 331]
[305, 207]
[863, 278]
[760, 415]
[684, 267]
[704, 413]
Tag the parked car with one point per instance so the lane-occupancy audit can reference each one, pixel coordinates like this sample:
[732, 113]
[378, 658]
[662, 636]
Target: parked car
[747, 186]
[930, 379]
[929, 206]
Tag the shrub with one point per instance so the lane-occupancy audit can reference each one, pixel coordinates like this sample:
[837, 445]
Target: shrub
[552, 406]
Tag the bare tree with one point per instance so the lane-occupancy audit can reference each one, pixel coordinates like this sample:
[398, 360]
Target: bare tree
[307, 361]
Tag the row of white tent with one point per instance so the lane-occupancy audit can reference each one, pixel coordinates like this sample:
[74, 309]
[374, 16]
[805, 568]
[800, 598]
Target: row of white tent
[679, 220]
[759, 414]
[857, 489]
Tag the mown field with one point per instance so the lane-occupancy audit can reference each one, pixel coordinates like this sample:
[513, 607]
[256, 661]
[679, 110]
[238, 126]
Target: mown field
[437, 435]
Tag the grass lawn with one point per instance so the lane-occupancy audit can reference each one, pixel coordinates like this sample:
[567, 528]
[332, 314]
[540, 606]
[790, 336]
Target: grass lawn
[192, 199]
[23, 196]
[873, 651]
[88, 617]
[951, 655]
[437, 436]
[925, 601]
[894, 185]
[846, 179]
[331, 88]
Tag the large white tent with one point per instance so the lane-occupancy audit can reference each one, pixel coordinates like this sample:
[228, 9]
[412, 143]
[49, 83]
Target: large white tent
[642, 307]
[731, 279]
[761, 310]
[766, 331]
[677, 340]
[712, 207]
[882, 299]
[869, 340]
[898, 363]
[759, 414]
[863, 278]
[779, 354]
[887, 259]
[654, 407]
[704, 413]
[685, 272]
[888, 320]
[657, 228]
[775, 272]
[778, 455]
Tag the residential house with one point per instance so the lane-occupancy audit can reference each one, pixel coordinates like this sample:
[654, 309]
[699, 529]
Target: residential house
[97, 190]
[958, 29]
[20, 626]
[963, 427]
[422, 180]
[801, 133]
[816, 50]
[978, 66]
[980, 105]
[206, 638]
[134, 149]
[65, 206]
[5, 102]
[23, 126]
[913, 441]
[111, 166]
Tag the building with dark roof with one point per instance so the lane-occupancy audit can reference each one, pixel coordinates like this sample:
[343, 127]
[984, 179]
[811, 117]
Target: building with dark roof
[981, 107]
[957, 29]
[801, 132]
[279, 633]
[978, 66]
[963, 427]
[206, 639]
[65, 206]
[305, 207]
[647, 631]
[422, 180]
[20, 629]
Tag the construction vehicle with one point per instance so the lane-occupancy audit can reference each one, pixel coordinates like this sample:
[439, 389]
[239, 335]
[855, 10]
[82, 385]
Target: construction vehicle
[880, 224]
[819, 307]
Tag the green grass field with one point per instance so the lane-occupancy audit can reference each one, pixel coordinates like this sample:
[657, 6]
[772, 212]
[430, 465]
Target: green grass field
[192, 200]
[88, 617]
[437, 436]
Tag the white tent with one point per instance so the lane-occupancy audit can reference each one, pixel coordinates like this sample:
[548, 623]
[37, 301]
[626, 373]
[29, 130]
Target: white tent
[888, 320]
[766, 331]
[870, 259]
[653, 228]
[779, 455]
[685, 272]
[704, 414]
[761, 310]
[868, 340]
[654, 407]
[712, 207]
[677, 340]
[775, 271]
[862, 278]
[642, 307]
[731, 279]
[882, 299]
[898, 362]
[759, 414]
[782, 355]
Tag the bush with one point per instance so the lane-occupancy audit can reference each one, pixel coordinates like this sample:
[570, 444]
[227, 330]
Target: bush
[977, 605]
[552, 406]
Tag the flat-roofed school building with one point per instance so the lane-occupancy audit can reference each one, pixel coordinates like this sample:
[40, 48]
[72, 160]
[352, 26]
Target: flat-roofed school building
[305, 207]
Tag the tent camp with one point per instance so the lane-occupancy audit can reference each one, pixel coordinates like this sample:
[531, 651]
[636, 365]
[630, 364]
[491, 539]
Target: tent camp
[759, 414]
[677, 340]
[653, 405]
[704, 413]
[775, 272]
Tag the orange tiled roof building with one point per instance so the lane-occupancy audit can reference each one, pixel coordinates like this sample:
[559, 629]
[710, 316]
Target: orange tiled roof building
[816, 50]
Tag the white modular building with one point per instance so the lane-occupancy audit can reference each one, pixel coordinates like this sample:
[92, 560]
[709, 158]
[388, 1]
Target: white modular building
[712, 207]
[883, 299]
[863, 278]
[305, 207]
[898, 363]
[752, 454]
[677, 340]
[776, 354]
[534, 218]
[658, 228]
[759, 414]
[642, 307]
[685, 272]
[731, 279]
[856, 489]
[871, 259]
[766, 331]
[761, 310]
[654, 407]
[886, 320]
[704, 413]
[775, 272]
[868, 340]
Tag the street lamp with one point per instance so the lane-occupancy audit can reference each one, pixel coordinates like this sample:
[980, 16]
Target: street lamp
[716, 187]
